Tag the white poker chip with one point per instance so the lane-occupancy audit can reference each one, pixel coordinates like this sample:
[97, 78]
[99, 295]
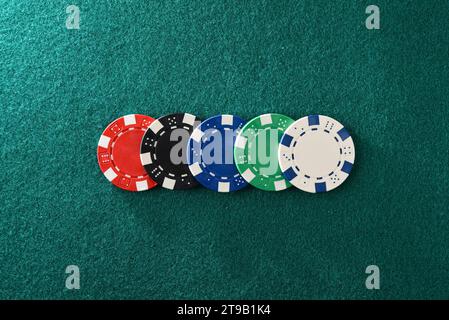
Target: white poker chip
[316, 153]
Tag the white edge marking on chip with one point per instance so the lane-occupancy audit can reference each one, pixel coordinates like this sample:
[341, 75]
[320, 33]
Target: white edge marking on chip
[227, 120]
[241, 142]
[130, 119]
[223, 187]
[142, 185]
[156, 126]
[110, 174]
[284, 162]
[248, 175]
[195, 169]
[285, 149]
[189, 119]
[280, 185]
[265, 119]
[296, 181]
[104, 141]
[197, 135]
[169, 183]
[308, 186]
[145, 158]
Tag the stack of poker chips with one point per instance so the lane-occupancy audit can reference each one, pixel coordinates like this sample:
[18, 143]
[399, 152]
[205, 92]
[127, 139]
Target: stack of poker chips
[225, 153]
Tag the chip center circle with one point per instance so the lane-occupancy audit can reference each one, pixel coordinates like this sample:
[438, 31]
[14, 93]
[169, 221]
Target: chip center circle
[316, 153]
[126, 153]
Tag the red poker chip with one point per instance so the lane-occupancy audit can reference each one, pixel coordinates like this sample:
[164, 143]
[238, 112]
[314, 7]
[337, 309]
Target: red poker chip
[118, 153]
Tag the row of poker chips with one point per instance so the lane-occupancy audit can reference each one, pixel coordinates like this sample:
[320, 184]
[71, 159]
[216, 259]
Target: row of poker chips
[225, 153]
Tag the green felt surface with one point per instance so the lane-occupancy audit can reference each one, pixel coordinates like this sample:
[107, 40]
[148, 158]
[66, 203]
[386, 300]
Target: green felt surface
[59, 88]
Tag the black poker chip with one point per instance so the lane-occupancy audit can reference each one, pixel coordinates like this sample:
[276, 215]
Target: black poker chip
[163, 151]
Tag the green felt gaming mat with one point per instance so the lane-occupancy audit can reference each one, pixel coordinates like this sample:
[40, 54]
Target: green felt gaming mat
[60, 87]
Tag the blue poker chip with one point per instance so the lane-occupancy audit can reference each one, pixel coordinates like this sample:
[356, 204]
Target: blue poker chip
[210, 153]
[316, 154]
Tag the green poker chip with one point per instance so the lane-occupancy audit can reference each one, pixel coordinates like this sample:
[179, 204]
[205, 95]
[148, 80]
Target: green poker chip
[256, 151]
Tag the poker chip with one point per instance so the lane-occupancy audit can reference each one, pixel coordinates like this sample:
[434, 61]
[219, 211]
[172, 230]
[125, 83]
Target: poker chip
[256, 151]
[118, 153]
[163, 151]
[210, 153]
[316, 153]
